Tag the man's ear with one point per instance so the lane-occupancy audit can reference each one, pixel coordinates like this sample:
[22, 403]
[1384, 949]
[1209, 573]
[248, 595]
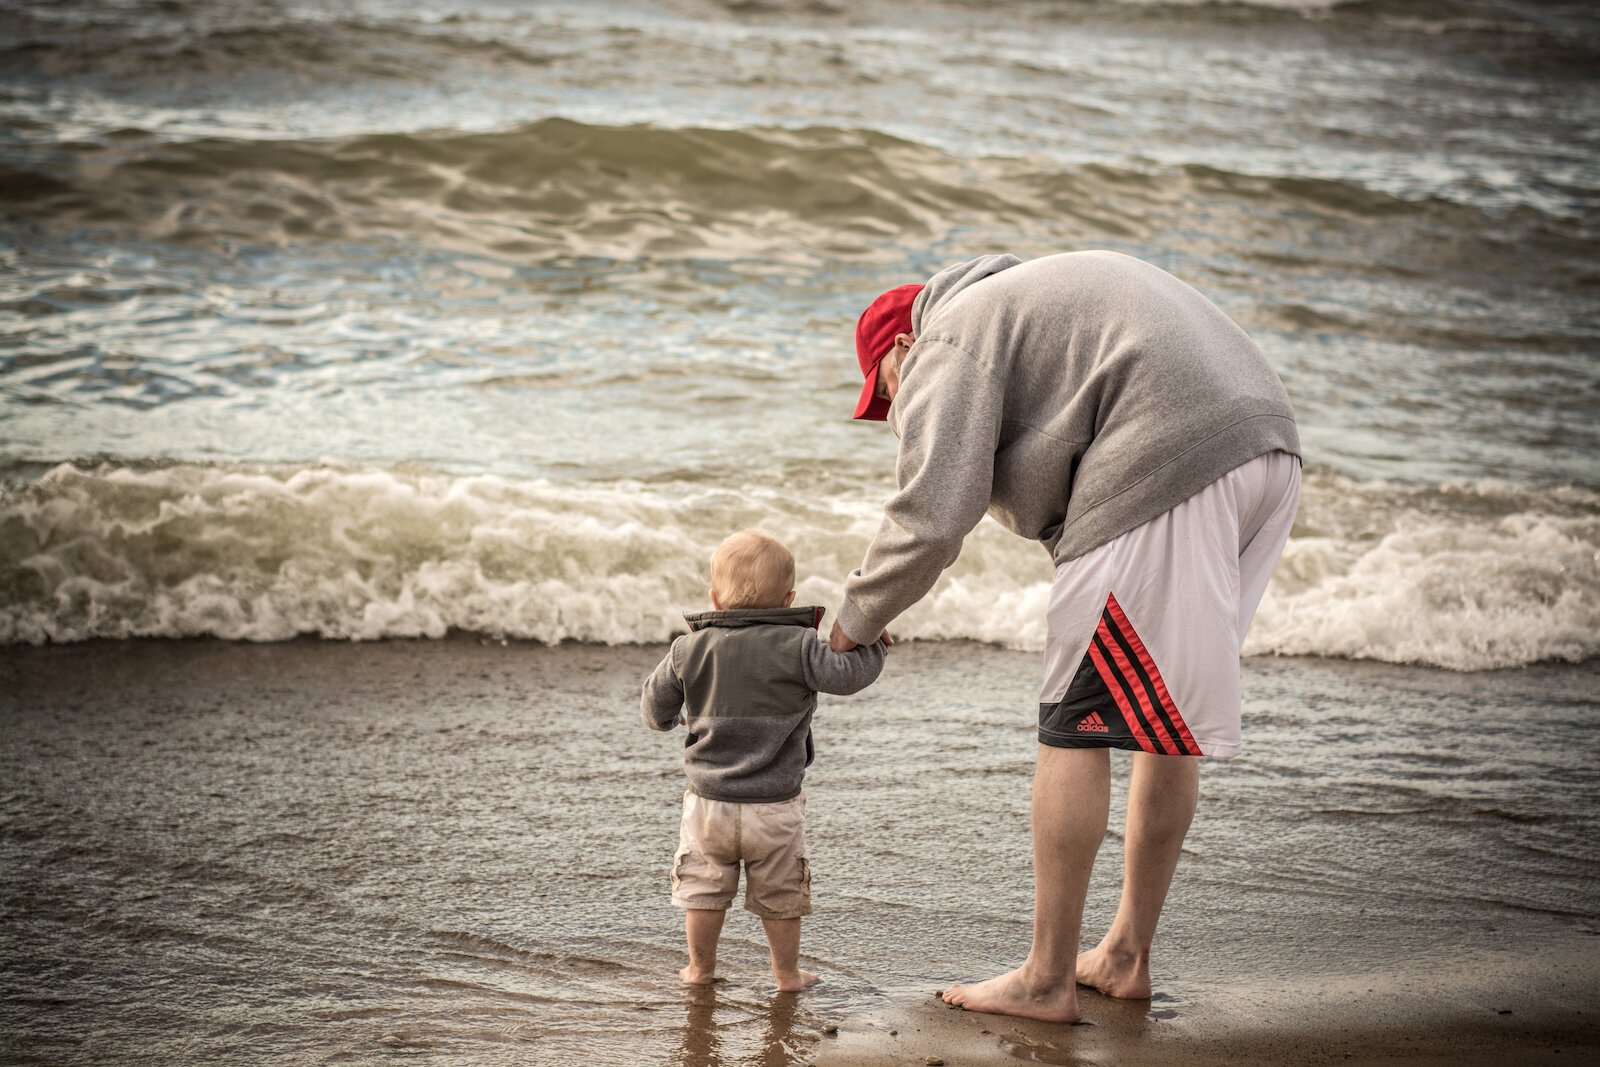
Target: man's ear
[789, 599]
[904, 340]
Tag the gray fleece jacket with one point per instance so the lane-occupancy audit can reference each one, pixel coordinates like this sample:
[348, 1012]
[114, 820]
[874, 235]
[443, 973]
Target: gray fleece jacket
[1072, 397]
[747, 681]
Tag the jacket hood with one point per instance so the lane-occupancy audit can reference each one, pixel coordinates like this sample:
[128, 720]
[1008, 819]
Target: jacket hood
[950, 282]
[737, 617]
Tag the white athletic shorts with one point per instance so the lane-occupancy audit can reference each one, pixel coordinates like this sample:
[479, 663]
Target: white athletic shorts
[1144, 632]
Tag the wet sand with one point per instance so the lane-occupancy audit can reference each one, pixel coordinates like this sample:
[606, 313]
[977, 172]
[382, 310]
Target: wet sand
[1506, 1010]
[455, 850]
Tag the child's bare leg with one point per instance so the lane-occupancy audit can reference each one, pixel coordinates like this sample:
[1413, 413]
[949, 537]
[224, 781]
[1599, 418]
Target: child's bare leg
[702, 926]
[783, 939]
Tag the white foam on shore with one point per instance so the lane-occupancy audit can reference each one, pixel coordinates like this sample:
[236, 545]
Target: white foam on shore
[1465, 577]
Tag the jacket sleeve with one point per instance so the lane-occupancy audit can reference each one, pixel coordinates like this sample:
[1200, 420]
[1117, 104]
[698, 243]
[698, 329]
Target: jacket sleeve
[662, 697]
[842, 673]
[950, 406]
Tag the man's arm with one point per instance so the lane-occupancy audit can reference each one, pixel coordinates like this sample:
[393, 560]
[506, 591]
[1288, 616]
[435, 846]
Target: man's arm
[842, 673]
[949, 409]
[662, 697]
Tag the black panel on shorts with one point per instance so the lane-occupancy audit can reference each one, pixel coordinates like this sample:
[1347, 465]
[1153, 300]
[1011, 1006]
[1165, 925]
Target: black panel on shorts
[1086, 716]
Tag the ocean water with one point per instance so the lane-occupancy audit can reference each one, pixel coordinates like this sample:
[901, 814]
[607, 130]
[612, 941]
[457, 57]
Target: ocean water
[483, 322]
[401, 318]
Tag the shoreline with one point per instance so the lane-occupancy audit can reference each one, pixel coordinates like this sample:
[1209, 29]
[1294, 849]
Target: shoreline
[917, 1035]
[460, 638]
[171, 796]
[1513, 1009]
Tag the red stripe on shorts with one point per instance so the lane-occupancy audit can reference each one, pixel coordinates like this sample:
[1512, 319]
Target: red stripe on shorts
[1163, 743]
[1118, 693]
[1186, 742]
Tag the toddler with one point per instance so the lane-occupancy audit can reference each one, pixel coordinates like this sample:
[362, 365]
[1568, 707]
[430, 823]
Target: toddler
[746, 677]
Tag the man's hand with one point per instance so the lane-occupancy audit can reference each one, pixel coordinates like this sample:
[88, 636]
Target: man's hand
[839, 642]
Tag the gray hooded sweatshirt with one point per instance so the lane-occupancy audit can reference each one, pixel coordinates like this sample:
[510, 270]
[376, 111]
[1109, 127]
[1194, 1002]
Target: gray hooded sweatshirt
[1072, 397]
[747, 681]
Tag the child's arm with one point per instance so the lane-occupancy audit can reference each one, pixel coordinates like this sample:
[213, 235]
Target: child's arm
[662, 697]
[842, 673]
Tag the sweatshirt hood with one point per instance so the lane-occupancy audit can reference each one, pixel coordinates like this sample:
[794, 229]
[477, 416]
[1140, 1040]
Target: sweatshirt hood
[951, 282]
[738, 617]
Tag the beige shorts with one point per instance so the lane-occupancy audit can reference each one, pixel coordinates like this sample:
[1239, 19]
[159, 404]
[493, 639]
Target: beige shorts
[769, 839]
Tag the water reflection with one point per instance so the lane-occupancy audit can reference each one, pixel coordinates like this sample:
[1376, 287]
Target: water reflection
[780, 1047]
[702, 1046]
[706, 1016]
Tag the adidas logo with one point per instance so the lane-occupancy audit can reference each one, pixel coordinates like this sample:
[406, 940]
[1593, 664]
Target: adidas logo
[1092, 723]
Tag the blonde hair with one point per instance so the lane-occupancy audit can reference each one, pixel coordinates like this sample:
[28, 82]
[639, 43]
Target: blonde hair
[751, 569]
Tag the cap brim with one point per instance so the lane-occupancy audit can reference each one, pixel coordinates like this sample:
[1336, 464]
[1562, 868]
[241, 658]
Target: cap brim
[871, 406]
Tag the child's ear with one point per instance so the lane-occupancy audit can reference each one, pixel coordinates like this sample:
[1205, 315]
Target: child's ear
[789, 599]
[714, 603]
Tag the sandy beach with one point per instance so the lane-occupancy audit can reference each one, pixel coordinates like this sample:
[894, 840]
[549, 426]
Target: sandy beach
[1506, 1010]
[456, 851]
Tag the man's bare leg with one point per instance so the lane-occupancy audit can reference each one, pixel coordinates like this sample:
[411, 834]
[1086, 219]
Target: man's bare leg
[783, 941]
[1071, 797]
[1162, 794]
[702, 927]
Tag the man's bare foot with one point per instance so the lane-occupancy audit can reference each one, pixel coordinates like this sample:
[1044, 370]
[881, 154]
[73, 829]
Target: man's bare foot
[691, 976]
[793, 983]
[1013, 994]
[1123, 975]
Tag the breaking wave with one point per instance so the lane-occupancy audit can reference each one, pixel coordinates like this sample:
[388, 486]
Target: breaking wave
[557, 187]
[547, 188]
[1464, 577]
[1469, 577]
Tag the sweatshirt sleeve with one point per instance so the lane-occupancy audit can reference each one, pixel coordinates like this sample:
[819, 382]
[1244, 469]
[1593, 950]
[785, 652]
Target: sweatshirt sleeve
[950, 405]
[842, 673]
[662, 697]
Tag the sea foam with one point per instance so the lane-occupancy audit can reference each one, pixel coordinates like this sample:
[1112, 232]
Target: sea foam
[1467, 577]
[1464, 577]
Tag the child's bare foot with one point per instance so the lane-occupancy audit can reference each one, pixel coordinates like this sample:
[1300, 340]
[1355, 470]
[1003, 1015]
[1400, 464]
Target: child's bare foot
[1014, 994]
[1123, 975]
[795, 981]
[691, 976]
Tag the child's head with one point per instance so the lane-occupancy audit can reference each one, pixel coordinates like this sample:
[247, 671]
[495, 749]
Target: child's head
[752, 569]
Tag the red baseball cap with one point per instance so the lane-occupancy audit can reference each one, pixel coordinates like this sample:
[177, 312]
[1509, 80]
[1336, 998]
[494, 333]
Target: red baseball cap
[876, 329]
